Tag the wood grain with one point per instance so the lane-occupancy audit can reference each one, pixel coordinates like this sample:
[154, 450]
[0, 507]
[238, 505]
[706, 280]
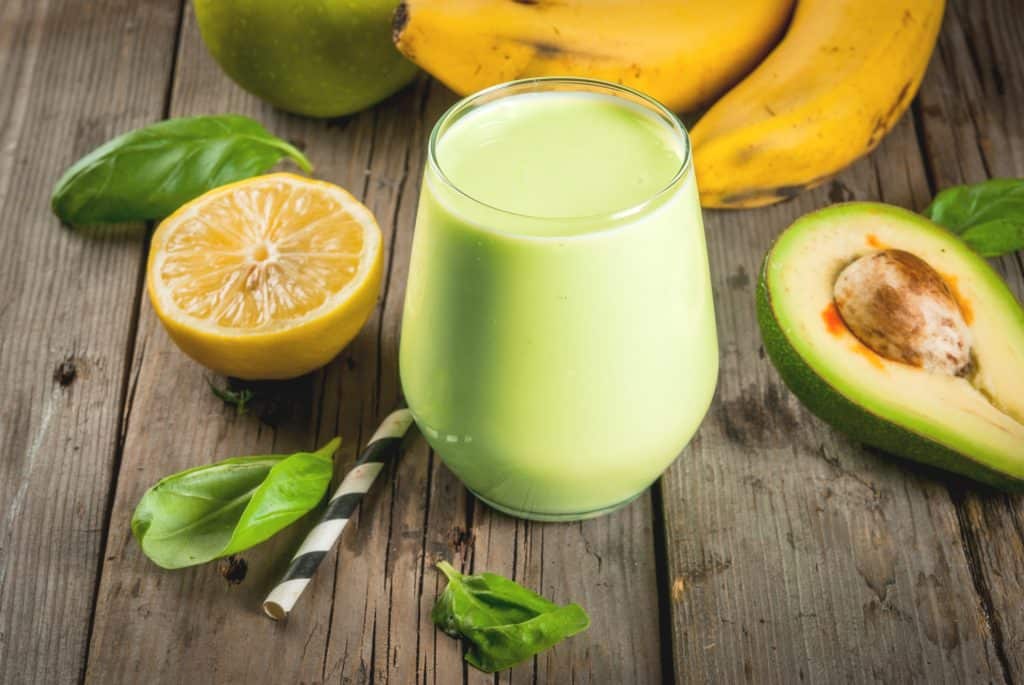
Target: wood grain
[66, 314]
[788, 553]
[794, 554]
[192, 623]
[606, 565]
[379, 623]
[366, 617]
[969, 110]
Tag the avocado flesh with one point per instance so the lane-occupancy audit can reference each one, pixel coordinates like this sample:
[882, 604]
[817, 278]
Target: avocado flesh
[974, 425]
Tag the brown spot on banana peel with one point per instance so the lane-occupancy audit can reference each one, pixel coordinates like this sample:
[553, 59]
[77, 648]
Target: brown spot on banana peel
[548, 49]
[544, 49]
[761, 197]
[899, 99]
[878, 131]
[883, 123]
[399, 20]
[758, 197]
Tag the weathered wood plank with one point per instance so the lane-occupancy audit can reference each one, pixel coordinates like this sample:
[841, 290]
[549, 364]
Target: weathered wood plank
[850, 569]
[192, 623]
[378, 584]
[794, 554]
[381, 630]
[606, 565]
[970, 113]
[397, 562]
[68, 303]
[372, 622]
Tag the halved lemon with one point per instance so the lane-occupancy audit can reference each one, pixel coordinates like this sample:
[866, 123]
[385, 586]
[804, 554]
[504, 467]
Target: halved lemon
[266, 278]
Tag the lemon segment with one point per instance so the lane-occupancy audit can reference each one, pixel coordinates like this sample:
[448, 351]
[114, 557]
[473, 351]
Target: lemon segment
[266, 278]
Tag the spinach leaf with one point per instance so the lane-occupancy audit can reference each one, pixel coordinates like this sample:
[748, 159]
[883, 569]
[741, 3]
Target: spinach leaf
[220, 509]
[503, 622]
[988, 216]
[148, 173]
[483, 600]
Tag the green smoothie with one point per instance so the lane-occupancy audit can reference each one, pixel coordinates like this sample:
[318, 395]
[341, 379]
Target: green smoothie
[558, 346]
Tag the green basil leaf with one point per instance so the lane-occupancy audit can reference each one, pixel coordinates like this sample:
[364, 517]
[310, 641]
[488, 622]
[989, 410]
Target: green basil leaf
[220, 509]
[988, 216]
[148, 173]
[503, 622]
[995, 238]
[499, 647]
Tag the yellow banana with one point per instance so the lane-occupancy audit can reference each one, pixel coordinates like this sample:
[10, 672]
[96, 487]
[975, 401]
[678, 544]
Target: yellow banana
[840, 79]
[683, 53]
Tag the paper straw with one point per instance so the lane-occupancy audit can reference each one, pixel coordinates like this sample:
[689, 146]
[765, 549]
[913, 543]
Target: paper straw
[383, 448]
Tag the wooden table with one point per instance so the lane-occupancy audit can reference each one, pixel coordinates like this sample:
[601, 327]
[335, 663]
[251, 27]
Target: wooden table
[773, 550]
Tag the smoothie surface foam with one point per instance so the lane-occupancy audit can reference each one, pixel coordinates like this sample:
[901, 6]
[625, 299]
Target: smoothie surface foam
[560, 154]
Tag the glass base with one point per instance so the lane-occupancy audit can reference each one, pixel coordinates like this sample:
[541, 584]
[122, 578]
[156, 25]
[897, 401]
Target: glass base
[541, 516]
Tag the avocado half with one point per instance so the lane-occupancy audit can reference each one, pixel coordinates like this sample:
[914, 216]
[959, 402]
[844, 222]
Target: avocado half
[972, 425]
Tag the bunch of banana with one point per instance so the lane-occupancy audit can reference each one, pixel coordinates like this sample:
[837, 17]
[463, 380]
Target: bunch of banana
[838, 81]
[681, 53]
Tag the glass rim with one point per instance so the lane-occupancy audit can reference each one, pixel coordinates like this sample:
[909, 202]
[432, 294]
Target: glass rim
[617, 90]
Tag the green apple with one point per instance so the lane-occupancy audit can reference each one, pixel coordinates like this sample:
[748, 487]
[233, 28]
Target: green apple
[321, 58]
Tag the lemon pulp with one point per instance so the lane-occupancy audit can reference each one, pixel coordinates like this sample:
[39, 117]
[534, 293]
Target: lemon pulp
[243, 275]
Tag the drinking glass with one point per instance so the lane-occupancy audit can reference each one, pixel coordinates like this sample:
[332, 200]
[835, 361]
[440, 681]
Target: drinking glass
[558, 350]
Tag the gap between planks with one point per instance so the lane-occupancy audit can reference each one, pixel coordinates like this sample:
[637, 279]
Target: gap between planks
[968, 541]
[127, 390]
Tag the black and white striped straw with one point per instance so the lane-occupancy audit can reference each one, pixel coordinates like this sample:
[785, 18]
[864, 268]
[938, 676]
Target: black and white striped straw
[383, 448]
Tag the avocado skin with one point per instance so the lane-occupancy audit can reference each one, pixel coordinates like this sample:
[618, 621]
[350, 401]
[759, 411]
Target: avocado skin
[831, 406]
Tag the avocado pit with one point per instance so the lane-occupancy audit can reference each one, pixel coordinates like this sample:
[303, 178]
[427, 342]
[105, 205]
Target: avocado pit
[900, 307]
